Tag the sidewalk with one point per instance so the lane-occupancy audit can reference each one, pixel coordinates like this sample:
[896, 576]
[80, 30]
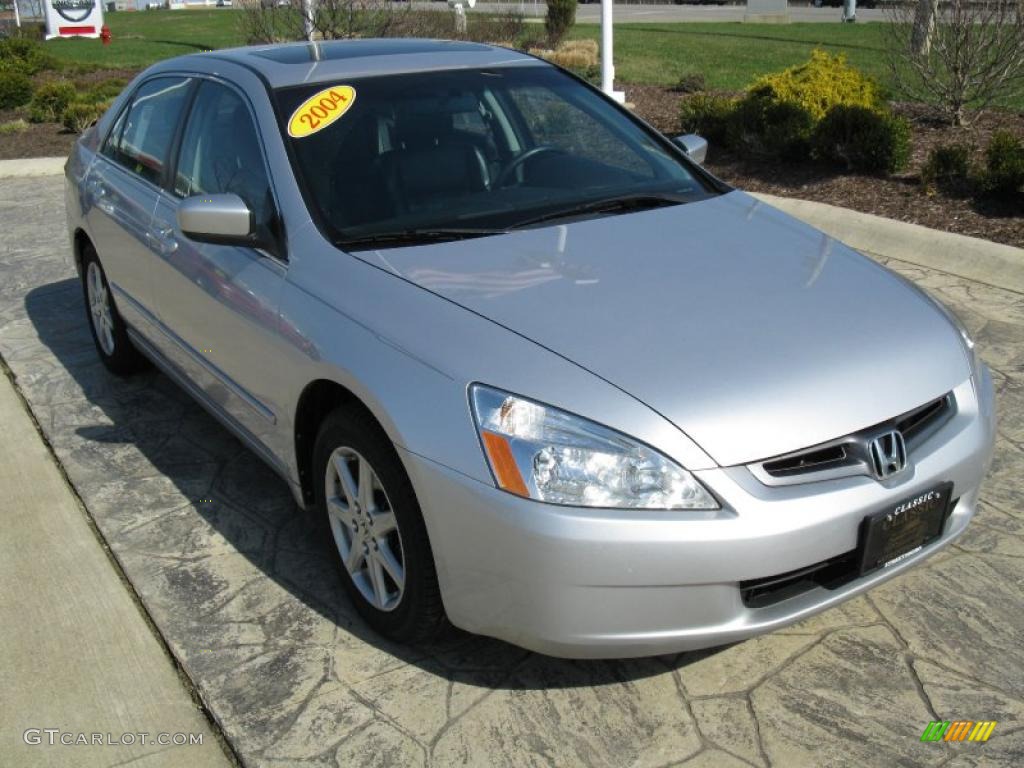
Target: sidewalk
[995, 264]
[78, 655]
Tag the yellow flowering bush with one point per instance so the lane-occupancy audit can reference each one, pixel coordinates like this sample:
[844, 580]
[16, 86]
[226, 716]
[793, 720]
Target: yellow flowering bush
[818, 85]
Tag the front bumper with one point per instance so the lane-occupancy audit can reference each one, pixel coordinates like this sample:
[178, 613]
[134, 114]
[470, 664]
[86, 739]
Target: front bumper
[591, 583]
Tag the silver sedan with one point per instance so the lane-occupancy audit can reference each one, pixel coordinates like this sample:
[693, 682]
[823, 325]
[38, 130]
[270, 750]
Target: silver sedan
[532, 370]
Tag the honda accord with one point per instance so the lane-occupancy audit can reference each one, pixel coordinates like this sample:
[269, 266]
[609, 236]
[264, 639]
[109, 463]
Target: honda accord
[532, 370]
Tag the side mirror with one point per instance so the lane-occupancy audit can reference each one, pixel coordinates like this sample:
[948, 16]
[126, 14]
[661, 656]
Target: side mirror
[695, 147]
[220, 219]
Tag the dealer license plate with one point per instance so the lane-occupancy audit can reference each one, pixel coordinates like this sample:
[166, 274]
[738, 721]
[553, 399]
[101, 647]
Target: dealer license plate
[901, 530]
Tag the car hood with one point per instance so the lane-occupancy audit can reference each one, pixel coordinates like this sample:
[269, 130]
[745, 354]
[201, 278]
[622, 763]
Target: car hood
[752, 332]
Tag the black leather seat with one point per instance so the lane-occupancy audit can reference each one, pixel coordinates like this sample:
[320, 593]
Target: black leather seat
[432, 164]
[359, 192]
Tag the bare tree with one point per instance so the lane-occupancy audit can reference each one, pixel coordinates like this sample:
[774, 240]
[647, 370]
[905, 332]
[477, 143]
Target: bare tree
[271, 21]
[264, 21]
[924, 25]
[957, 54]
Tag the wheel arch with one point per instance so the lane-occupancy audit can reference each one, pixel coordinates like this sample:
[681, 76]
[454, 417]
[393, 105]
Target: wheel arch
[79, 241]
[318, 399]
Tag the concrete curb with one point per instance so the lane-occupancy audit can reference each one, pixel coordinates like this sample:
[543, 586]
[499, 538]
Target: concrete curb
[994, 264]
[32, 166]
[998, 265]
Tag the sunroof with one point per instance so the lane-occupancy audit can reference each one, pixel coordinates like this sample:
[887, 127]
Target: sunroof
[336, 50]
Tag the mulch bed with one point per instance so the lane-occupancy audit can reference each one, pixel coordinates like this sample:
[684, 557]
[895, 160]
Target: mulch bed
[38, 140]
[900, 197]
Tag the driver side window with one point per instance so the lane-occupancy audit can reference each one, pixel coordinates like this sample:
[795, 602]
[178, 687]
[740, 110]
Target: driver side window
[558, 123]
[221, 152]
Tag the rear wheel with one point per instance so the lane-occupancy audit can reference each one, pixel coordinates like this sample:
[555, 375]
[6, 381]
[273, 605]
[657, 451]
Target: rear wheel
[108, 329]
[372, 525]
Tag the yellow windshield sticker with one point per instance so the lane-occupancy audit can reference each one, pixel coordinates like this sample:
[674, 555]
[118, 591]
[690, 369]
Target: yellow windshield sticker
[320, 110]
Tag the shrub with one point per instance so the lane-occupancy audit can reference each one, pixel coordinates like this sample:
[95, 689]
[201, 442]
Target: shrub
[13, 126]
[578, 56]
[50, 101]
[24, 55]
[818, 85]
[586, 47]
[706, 114]
[105, 90]
[15, 89]
[787, 131]
[691, 82]
[762, 127]
[575, 60]
[80, 115]
[1004, 165]
[780, 111]
[947, 168]
[561, 16]
[863, 139]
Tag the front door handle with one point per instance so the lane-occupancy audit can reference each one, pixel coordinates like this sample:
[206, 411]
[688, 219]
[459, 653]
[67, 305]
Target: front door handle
[163, 239]
[101, 197]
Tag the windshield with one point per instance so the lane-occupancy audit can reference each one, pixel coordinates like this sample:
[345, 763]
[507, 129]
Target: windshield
[471, 152]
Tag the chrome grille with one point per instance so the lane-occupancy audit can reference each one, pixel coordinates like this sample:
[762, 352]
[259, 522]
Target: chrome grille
[851, 455]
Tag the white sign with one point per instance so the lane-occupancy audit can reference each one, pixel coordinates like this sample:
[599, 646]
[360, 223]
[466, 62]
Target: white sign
[73, 18]
[767, 11]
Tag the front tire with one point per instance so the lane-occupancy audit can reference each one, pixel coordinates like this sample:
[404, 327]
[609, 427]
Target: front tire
[371, 522]
[108, 328]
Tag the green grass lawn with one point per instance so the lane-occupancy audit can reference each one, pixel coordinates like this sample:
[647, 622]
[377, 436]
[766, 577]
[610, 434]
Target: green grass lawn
[730, 55]
[145, 37]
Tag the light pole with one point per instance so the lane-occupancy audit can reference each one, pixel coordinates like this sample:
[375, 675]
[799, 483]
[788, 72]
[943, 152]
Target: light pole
[607, 63]
[307, 19]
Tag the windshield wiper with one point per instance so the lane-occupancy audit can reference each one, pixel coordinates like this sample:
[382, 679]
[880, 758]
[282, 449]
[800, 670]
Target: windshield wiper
[634, 202]
[420, 236]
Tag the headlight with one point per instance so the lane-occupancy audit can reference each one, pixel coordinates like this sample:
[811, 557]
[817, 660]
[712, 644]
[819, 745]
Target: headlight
[546, 454]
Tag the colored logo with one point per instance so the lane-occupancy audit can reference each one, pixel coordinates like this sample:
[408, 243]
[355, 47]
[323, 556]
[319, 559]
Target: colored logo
[958, 730]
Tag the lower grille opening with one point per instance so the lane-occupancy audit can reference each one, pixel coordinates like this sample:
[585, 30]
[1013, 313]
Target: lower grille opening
[831, 573]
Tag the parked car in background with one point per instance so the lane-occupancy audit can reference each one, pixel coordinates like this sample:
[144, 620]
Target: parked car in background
[530, 367]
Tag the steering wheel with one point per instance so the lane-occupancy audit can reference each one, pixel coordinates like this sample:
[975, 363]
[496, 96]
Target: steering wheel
[512, 165]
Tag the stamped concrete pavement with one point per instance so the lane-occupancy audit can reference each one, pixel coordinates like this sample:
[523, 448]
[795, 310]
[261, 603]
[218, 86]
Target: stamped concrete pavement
[233, 579]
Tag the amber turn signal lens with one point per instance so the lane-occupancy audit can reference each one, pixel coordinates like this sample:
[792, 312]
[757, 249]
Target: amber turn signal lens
[499, 453]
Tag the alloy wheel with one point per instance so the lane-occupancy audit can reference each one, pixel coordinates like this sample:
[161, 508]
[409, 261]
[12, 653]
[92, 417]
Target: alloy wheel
[365, 529]
[99, 308]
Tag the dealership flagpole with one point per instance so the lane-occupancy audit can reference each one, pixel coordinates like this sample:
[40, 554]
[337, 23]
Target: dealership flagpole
[607, 56]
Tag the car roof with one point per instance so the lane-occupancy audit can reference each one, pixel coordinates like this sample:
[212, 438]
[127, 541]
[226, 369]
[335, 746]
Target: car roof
[301, 63]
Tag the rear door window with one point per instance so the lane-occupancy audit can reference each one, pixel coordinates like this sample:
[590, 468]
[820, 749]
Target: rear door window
[141, 139]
